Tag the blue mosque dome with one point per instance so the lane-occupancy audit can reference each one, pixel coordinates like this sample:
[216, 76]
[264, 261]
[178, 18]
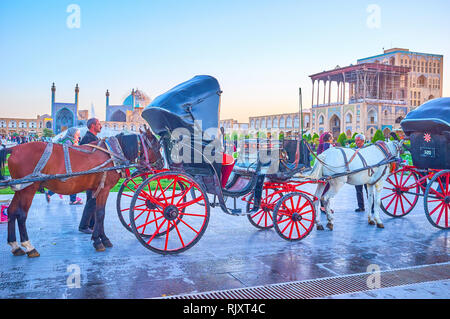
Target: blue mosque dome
[140, 99]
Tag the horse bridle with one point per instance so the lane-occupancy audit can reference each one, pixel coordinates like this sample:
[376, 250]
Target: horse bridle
[143, 144]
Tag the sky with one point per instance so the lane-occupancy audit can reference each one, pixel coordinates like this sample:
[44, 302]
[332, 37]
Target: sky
[260, 51]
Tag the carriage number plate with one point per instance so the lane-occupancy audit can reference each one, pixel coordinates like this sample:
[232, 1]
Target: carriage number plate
[427, 152]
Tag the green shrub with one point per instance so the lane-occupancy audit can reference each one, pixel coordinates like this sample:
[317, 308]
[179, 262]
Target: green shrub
[378, 136]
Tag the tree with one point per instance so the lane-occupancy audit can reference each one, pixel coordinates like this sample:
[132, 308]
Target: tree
[47, 132]
[378, 136]
[341, 139]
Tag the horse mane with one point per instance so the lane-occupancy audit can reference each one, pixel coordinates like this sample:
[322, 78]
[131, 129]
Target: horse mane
[129, 145]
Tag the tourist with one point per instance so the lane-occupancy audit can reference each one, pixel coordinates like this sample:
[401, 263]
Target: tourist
[71, 138]
[88, 219]
[360, 139]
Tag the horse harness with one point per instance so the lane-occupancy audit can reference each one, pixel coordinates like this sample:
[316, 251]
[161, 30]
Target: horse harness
[113, 149]
[381, 145]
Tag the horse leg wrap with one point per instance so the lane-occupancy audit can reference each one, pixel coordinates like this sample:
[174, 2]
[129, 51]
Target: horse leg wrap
[15, 249]
[31, 251]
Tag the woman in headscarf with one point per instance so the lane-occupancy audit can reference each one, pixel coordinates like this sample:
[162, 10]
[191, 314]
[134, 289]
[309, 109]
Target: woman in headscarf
[71, 137]
[325, 141]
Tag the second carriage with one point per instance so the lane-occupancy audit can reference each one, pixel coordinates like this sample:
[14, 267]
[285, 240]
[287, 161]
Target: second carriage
[428, 129]
[169, 210]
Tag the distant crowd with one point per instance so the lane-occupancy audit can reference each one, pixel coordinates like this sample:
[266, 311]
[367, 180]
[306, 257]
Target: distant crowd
[16, 139]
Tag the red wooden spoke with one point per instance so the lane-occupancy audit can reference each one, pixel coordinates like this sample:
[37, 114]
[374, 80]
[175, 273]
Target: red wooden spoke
[179, 235]
[442, 187]
[184, 194]
[432, 212]
[262, 215]
[292, 228]
[167, 235]
[152, 221]
[440, 214]
[191, 202]
[436, 192]
[401, 178]
[190, 214]
[189, 226]
[447, 181]
[396, 204]
[146, 221]
[396, 180]
[401, 204]
[309, 211]
[404, 183]
[406, 199]
[391, 201]
[156, 232]
[162, 191]
[173, 191]
[286, 226]
[388, 196]
[298, 231]
[303, 226]
[134, 207]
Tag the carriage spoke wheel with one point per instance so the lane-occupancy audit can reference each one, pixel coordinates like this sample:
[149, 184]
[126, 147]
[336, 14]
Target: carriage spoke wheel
[294, 216]
[170, 222]
[262, 219]
[400, 193]
[437, 200]
[125, 195]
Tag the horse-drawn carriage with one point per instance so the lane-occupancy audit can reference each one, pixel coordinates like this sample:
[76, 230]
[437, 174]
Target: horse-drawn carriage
[428, 129]
[168, 210]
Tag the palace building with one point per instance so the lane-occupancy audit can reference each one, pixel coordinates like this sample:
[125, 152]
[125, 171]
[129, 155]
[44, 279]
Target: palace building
[376, 93]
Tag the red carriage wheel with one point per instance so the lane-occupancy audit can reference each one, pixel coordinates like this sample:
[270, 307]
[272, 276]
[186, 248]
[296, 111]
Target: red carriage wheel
[400, 193]
[262, 219]
[294, 216]
[437, 200]
[170, 222]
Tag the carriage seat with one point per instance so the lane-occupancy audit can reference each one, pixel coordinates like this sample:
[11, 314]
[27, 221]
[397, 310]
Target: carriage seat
[227, 167]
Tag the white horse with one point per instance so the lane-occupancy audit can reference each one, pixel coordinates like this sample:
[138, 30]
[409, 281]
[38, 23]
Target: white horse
[332, 162]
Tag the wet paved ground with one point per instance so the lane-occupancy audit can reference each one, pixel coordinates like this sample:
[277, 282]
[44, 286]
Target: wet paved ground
[231, 254]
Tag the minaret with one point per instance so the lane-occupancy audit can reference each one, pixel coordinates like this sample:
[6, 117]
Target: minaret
[75, 118]
[134, 97]
[53, 93]
[77, 90]
[107, 98]
[53, 106]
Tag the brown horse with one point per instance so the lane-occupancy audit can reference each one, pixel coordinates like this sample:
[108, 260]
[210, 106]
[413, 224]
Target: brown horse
[142, 149]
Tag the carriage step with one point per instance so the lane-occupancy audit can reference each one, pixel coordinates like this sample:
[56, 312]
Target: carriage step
[236, 211]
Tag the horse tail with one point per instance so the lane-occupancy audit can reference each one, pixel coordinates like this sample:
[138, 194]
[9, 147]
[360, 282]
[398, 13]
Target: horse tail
[3, 156]
[316, 171]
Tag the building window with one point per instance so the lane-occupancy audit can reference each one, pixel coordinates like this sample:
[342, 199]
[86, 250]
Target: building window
[348, 118]
[321, 119]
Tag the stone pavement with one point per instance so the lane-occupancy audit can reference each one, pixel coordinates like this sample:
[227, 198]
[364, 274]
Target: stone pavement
[231, 254]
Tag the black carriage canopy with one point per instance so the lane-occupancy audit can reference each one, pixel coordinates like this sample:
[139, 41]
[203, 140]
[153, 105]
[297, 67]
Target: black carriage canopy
[195, 100]
[432, 116]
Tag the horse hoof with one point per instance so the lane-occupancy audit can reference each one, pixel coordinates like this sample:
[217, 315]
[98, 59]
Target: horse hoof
[107, 243]
[18, 252]
[320, 227]
[99, 247]
[33, 253]
[380, 225]
[371, 222]
[330, 226]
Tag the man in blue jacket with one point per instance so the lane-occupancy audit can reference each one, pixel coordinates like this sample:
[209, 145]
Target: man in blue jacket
[88, 219]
